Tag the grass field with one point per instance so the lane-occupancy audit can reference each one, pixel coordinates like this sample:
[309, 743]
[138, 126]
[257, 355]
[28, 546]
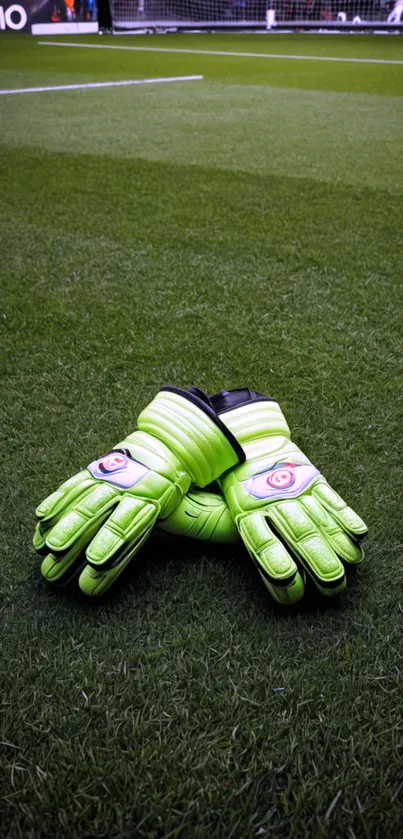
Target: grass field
[241, 229]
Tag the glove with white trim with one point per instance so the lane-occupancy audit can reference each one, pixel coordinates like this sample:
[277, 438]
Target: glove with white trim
[288, 517]
[97, 521]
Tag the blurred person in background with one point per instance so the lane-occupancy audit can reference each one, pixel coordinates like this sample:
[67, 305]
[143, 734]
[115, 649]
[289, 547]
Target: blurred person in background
[396, 13]
[70, 10]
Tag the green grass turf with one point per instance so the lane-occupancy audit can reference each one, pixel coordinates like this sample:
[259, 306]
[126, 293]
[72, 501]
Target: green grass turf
[242, 230]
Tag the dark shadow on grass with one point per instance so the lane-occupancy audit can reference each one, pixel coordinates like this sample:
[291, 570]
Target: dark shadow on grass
[82, 181]
[165, 559]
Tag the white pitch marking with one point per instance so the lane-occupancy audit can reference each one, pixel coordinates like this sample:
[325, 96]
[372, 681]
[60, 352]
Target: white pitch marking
[223, 52]
[100, 84]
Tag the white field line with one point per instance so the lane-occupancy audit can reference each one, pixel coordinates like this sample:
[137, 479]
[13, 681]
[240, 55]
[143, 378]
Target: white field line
[223, 52]
[100, 84]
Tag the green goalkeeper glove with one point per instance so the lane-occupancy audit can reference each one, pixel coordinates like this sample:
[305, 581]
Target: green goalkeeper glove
[98, 520]
[283, 507]
[202, 515]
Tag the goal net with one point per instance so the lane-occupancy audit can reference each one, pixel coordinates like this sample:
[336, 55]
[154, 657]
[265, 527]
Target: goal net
[256, 14]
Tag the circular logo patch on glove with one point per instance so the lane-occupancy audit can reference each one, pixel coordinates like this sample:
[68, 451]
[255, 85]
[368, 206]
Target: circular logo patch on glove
[113, 461]
[281, 478]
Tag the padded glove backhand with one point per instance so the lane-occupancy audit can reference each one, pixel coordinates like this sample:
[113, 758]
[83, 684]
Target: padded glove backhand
[98, 520]
[283, 507]
[202, 515]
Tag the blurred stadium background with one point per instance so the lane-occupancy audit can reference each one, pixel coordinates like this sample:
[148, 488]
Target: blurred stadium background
[242, 228]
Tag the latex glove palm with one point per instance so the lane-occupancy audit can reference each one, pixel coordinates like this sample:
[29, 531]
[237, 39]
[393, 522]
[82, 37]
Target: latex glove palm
[283, 507]
[98, 520]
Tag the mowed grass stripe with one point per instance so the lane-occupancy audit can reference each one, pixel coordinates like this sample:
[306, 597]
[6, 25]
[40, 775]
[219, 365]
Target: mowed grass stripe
[347, 138]
[223, 52]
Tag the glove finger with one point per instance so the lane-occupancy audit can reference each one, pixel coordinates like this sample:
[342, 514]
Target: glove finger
[59, 569]
[63, 563]
[275, 565]
[346, 548]
[129, 523]
[56, 503]
[39, 540]
[80, 523]
[348, 520]
[202, 515]
[96, 581]
[116, 544]
[301, 533]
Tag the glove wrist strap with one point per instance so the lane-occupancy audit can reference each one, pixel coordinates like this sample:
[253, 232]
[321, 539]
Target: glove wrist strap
[187, 424]
[250, 416]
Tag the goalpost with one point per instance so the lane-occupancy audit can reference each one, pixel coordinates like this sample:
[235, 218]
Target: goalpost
[267, 15]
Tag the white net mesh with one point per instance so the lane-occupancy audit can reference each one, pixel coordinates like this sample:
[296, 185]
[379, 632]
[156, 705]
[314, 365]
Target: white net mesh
[264, 14]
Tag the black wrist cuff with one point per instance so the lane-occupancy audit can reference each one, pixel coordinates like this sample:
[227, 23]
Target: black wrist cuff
[227, 400]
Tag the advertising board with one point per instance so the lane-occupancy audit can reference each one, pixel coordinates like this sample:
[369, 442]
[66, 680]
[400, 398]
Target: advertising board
[47, 17]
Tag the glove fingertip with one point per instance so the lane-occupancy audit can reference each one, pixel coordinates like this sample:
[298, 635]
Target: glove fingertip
[91, 581]
[286, 595]
[48, 505]
[39, 539]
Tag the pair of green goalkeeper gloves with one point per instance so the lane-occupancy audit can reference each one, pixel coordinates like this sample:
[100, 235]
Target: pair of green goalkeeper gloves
[273, 499]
